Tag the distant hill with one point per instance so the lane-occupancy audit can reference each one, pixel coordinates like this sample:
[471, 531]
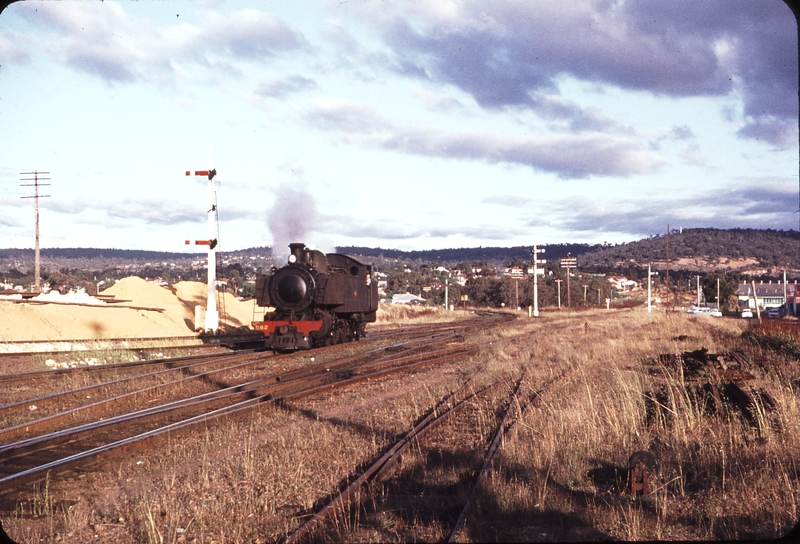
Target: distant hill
[470, 254]
[95, 253]
[756, 251]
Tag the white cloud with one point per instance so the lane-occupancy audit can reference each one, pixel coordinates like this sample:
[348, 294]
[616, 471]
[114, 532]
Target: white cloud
[568, 156]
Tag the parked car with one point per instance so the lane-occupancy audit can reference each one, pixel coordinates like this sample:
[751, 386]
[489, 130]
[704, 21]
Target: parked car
[774, 313]
[747, 312]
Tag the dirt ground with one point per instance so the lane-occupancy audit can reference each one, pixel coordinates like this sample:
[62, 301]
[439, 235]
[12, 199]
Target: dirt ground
[144, 310]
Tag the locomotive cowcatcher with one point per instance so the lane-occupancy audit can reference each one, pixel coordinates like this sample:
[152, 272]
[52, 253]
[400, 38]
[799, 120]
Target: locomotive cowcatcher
[319, 299]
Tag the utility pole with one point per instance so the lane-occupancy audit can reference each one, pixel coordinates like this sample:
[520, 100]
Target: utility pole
[37, 176]
[667, 276]
[584, 294]
[559, 293]
[567, 263]
[755, 298]
[535, 261]
[698, 290]
[516, 290]
[446, 299]
[649, 275]
[785, 292]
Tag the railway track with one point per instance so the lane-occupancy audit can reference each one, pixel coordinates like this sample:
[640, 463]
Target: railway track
[164, 397]
[517, 408]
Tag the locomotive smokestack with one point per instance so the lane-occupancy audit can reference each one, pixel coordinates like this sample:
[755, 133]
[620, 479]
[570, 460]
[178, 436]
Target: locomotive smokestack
[298, 251]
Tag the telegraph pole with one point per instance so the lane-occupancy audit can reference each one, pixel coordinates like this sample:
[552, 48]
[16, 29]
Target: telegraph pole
[567, 263]
[37, 177]
[649, 275]
[698, 290]
[446, 300]
[535, 261]
[559, 293]
[667, 278]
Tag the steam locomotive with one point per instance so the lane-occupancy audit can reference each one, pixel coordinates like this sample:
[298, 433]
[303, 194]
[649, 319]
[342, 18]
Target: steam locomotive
[319, 299]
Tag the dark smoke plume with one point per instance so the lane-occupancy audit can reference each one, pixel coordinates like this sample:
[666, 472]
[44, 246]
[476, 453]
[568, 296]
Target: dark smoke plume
[291, 219]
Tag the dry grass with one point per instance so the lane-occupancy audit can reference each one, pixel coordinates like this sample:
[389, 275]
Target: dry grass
[560, 477]
[410, 313]
[718, 477]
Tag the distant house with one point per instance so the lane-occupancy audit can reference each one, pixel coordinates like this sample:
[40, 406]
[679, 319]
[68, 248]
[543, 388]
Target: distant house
[407, 298]
[621, 283]
[768, 295]
[460, 277]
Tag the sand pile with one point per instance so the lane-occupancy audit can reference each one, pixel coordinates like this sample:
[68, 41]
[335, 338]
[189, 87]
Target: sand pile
[238, 313]
[158, 312]
[135, 291]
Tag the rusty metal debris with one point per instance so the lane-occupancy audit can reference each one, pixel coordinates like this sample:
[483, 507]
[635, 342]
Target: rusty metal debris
[642, 467]
[726, 382]
[694, 364]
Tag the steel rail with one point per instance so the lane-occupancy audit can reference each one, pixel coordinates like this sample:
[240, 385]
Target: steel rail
[409, 345]
[503, 431]
[488, 460]
[212, 359]
[387, 372]
[53, 373]
[240, 407]
[291, 393]
[436, 417]
[38, 375]
[74, 434]
[30, 426]
[205, 360]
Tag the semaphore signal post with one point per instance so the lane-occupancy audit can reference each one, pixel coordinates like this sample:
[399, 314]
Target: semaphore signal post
[569, 262]
[212, 315]
[36, 179]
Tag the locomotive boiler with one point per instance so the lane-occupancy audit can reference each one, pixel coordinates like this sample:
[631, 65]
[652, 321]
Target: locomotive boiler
[319, 299]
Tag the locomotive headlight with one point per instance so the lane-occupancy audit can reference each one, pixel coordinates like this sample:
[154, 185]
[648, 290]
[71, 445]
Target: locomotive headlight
[292, 258]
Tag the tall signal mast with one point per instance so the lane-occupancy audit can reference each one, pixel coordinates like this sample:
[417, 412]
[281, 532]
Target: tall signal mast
[536, 261]
[212, 315]
[37, 177]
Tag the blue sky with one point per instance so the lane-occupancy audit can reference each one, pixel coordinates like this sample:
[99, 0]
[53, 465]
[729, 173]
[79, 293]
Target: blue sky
[409, 125]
